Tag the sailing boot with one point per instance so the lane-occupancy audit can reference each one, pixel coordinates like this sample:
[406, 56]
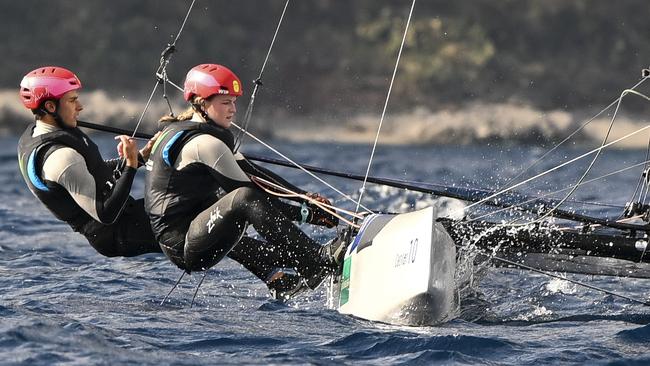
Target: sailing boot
[333, 252]
[332, 255]
[285, 283]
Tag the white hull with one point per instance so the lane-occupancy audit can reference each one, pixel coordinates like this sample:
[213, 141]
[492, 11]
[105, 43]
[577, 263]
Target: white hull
[399, 270]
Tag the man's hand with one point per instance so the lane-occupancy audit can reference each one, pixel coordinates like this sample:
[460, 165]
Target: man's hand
[128, 149]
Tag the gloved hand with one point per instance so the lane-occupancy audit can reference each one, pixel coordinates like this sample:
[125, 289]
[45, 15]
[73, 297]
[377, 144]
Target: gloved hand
[319, 198]
[318, 216]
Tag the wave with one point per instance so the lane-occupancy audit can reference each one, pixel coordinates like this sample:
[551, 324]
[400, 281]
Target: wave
[407, 346]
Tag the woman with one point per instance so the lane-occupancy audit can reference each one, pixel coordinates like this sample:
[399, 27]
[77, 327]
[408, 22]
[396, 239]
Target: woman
[200, 198]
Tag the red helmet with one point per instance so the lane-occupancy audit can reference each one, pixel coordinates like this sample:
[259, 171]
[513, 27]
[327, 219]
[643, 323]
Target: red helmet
[49, 82]
[206, 80]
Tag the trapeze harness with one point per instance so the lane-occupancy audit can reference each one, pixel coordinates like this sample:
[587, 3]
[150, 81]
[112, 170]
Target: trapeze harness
[200, 202]
[64, 169]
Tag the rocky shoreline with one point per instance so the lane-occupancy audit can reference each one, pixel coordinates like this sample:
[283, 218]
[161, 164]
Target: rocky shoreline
[470, 124]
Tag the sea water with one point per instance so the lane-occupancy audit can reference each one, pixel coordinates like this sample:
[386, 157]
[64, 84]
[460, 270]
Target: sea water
[62, 303]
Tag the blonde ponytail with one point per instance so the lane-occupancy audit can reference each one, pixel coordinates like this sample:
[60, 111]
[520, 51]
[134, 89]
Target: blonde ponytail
[187, 114]
[183, 116]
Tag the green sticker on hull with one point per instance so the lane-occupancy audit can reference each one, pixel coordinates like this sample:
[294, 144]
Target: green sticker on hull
[345, 281]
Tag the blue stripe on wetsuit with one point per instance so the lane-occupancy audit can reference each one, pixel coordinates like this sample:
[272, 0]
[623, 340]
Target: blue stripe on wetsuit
[168, 146]
[31, 173]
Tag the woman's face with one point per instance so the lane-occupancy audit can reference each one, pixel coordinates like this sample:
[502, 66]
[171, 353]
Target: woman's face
[221, 109]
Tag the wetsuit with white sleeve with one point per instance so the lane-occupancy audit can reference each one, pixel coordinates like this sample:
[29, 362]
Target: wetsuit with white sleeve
[200, 201]
[64, 169]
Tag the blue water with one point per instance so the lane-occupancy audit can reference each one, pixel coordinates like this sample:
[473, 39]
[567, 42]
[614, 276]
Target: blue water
[62, 303]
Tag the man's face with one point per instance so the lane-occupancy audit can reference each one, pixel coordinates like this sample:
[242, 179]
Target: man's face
[69, 108]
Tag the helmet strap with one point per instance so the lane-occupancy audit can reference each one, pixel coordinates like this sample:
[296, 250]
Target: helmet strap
[55, 115]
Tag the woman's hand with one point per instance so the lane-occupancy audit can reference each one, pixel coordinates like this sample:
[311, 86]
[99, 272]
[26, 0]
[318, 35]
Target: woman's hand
[317, 197]
[146, 150]
[318, 215]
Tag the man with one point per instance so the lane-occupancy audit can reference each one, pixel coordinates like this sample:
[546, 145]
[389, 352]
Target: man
[64, 169]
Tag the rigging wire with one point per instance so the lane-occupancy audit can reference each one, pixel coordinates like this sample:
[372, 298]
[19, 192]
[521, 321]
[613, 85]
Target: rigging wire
[173, 288]
[591, 164]
[643, 182]
[645, 194]
[561, 190]
[297, 165]
[538, 160]
[643, 178]
[258, 82]
[165, 57]
[294, 163]
[593, 161]
[205, 273]
[556, 167]
[576, 282]
[383, 113]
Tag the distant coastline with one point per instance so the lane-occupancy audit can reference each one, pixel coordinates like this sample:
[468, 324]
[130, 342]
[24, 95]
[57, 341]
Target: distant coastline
[474, 123]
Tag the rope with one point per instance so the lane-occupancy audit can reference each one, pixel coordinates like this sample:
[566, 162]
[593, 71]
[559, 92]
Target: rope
[300, 167]
[258, 83]
[383, 113]
[290, 194]
[622, 221]
[295, 164]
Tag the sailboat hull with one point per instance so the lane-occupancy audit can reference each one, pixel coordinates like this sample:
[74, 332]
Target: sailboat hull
[400, 270]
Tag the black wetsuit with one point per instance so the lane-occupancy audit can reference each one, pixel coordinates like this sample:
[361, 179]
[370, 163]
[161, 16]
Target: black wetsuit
[100, 208]
[197, 226]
